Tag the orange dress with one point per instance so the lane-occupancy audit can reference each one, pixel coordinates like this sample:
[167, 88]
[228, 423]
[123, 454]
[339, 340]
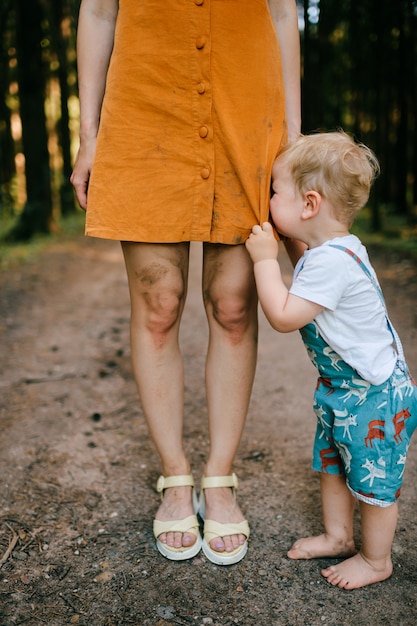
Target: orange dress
[192, 119]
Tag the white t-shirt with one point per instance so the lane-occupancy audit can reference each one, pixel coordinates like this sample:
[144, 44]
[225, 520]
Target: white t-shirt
[353, 321]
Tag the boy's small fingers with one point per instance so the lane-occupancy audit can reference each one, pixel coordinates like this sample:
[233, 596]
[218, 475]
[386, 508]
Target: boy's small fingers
[266, 227]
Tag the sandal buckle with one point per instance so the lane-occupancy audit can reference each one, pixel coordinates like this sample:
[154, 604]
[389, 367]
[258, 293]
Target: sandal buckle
[160, 484]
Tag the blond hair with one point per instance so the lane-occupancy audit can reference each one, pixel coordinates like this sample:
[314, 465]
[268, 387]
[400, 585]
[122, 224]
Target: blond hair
[335, 166]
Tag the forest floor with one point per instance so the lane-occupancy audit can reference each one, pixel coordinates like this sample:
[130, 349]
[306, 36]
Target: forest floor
[78, 469]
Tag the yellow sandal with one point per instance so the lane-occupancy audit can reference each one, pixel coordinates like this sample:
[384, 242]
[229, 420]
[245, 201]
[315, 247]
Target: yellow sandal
[214, 529]
[186, 525]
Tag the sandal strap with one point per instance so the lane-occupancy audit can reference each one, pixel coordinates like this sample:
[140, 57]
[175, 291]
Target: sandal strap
[165, 482]
[208, 482]
[214, 529]
[186, 525]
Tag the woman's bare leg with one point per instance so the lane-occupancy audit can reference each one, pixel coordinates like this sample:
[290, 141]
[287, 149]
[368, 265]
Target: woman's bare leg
[157, 276]
[337, 508]
[231, 307]
[373, 562]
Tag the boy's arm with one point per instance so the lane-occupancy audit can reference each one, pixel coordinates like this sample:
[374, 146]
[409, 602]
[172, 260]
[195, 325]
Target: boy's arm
[284, 311]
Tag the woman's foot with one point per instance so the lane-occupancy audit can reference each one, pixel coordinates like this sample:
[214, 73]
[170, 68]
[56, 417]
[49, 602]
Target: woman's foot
[358, 572]
[321, 546]
[177, 504]
[221, 506]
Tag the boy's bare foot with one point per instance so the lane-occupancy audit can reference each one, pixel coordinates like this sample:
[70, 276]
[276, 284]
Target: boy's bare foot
[357, 572]
[321, 546]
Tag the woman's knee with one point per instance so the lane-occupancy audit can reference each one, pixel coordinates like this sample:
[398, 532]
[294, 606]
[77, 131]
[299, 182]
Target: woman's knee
[233, 312]
[229, 289]
[163, 308]
[157, 291]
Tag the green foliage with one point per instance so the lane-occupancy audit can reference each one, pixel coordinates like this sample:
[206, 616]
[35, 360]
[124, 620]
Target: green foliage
[397, 234]
[65, 229]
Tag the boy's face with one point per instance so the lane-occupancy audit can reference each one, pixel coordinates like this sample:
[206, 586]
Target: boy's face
[286, 204]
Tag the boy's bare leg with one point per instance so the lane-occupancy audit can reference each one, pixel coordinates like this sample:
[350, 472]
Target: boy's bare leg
[337, 506]
[373, 563]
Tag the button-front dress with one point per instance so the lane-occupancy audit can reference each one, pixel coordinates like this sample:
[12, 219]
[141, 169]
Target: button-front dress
[192, 119]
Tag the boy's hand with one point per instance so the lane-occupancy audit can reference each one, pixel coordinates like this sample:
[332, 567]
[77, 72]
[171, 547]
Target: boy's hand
[261, 243]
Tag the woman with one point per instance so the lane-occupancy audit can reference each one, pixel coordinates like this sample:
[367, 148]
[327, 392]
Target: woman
[183, 110]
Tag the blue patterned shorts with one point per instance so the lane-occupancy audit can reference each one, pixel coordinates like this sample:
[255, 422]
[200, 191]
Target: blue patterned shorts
[363, 430]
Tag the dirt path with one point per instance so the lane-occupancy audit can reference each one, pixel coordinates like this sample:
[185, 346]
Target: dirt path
[78, 469]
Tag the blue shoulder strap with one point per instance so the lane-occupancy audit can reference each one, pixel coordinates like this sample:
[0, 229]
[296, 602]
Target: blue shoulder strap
[379, 291]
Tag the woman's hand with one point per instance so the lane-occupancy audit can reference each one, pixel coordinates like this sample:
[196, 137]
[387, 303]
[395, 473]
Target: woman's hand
[82, 168]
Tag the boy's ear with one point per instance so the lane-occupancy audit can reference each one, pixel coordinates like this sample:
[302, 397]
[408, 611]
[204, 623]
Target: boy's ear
[312, 201]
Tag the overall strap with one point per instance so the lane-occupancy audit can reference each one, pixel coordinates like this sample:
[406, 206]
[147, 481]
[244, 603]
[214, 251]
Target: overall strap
[375, 283]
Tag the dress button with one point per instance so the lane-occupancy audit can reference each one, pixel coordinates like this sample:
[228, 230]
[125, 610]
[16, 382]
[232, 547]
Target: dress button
[200, 42]
[203, 131]
[205, 172]
[201, 88]
[199, 2]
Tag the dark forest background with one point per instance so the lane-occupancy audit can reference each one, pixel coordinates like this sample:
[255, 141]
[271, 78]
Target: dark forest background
[359, 73]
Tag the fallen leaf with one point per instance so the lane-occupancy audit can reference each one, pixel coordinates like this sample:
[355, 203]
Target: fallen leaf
[104, 577]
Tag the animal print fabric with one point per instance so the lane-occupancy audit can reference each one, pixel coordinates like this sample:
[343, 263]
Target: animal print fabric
[363, 430]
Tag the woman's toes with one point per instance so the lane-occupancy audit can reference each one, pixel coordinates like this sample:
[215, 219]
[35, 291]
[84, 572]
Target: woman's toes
[227, 543]
[188, 539]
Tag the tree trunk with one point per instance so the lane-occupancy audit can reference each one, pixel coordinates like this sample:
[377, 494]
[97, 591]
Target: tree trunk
[60, 44]
[37, 213]
[7, 163]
